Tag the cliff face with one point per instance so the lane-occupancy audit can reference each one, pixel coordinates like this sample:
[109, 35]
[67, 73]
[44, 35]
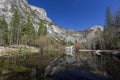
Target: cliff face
[7, 8]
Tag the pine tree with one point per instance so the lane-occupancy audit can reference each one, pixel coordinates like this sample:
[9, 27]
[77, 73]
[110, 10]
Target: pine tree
[15, 27]
[45, 31]
[29, 33]
[117, 21]
[41, 29]
[4, 31]
[108, 17]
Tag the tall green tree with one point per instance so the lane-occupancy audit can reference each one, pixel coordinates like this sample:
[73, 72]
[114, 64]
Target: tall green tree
[15, 27]
[42, 29]
[109, 19]
[4, 31]
[45, 31]
[29, 33]
[117, 21]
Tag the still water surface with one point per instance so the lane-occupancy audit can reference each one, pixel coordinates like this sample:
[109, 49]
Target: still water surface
[32, 67]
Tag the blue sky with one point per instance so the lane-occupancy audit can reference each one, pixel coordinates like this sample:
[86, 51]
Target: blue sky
[77, 14]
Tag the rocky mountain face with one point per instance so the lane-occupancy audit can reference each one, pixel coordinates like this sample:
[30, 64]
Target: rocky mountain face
[7, 8]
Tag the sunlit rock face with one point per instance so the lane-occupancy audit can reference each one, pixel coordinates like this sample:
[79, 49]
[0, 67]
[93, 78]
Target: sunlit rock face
[7, 8]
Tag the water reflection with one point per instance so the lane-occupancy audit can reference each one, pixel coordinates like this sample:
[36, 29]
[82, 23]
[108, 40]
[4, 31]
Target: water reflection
[32, 67]
[78, 74]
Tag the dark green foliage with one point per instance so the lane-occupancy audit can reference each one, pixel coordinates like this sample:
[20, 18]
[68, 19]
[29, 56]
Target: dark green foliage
[117, 21]
[42, 29]
[21, 33]
[29, 33]
[108, 17]
[45, 31]
[15, 28]
[3, 31]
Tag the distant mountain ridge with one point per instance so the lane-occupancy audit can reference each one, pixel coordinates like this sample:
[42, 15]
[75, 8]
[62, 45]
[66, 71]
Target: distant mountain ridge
[7, 8]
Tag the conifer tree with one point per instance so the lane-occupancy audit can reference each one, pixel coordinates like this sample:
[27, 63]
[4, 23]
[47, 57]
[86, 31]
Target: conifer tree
[4, 31]
[45, 31]
[15, 27]
[41, 29]
[28, 31]
[108, 17]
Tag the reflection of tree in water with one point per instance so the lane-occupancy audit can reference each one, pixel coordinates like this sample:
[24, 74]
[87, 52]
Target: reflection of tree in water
[33, 66]
[112, 67]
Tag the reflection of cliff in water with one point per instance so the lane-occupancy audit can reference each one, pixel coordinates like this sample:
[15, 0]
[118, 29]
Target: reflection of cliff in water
[38, 67]
[102, 65]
